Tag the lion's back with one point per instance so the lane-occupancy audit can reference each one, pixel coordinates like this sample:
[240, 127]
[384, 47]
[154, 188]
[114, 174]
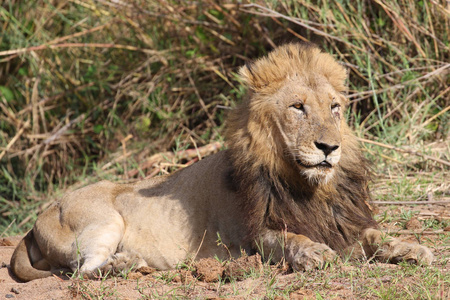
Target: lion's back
[184, 213]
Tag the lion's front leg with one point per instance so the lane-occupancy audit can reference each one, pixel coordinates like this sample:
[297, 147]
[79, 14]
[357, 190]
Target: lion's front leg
[388, 249]
[298, 250]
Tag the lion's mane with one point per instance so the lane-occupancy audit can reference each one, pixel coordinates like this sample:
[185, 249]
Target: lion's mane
[275, 195]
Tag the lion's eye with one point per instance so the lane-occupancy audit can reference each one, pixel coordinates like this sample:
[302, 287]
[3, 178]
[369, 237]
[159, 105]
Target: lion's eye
[298, 106]
[336, 109]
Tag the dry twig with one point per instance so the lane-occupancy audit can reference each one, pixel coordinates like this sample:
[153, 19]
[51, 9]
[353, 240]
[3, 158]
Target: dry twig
[183, 154]
[438, 160]
[409, 202]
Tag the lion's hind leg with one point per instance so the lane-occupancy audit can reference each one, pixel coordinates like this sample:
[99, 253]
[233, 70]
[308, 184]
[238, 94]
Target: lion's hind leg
[96, 245]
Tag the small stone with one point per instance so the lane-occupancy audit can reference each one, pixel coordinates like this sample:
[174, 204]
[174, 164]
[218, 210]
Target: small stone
[184, 276]
[9, 296]
[413, 224]
[134, 275]
[238, 268]
[146, 270]
[177, 278]
[15, 291]
[5, 242]
[208, 269]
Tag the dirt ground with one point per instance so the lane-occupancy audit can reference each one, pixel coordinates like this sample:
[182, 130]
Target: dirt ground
[250, 278]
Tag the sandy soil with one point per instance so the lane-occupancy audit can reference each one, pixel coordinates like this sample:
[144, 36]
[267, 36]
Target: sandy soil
[202, 282]
[251, 279]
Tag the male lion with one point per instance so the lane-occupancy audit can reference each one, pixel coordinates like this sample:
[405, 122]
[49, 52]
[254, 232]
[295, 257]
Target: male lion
[293, 184]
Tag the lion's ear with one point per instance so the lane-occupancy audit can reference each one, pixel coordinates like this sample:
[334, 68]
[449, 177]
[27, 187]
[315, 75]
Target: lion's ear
[247, 76]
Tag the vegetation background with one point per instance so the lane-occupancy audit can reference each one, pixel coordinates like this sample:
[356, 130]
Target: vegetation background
[92, 89]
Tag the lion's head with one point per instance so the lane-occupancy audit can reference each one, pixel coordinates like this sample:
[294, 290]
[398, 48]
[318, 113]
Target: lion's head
[292, 151]
[294, 117]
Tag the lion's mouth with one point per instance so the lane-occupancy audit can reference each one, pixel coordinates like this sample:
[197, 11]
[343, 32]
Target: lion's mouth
[324, 164]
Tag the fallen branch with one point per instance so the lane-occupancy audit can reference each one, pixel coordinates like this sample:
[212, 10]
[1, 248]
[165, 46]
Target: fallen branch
[78, 45]
[366, 94]
[264, 11]
[441, 161]
[62, 130]
[55, 97]
[436, 115]
[14, 139]
[409, 202]
[170, 156]
[420, 231]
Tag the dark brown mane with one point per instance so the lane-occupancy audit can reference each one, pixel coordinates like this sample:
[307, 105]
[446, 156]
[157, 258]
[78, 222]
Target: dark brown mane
[334, 214]
[275, 195]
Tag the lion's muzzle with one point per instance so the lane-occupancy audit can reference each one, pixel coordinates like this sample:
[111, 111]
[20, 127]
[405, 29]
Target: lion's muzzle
[327, 149]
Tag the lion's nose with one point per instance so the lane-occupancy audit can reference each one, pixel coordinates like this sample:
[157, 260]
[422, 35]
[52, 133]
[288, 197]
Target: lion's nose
[326, 148]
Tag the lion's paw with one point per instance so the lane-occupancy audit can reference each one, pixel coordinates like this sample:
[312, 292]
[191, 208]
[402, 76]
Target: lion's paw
[312, 256]
[398, 251]
[123, 261]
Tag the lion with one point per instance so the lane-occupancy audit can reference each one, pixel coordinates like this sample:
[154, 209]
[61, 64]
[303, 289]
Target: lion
[292, 185]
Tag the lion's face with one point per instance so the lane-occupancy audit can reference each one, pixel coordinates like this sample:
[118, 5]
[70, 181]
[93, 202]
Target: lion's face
[292, 123]
[310, 126]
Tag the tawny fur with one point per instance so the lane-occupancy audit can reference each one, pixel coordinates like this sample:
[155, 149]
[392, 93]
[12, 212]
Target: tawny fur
[266, 75]
[293, 185]
[334, 213]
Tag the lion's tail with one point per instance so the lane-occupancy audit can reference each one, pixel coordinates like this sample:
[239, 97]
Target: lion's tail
[21, 261]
